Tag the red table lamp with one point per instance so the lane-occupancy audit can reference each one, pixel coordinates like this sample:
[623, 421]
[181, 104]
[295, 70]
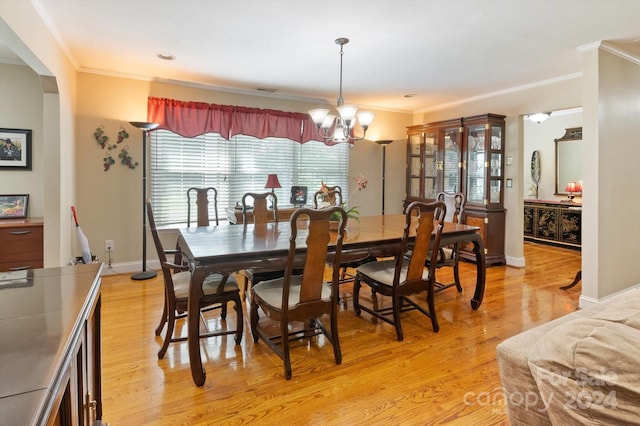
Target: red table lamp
[272, 182]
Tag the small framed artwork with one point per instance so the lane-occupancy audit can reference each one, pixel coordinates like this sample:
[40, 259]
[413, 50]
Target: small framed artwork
[298, 195]
[14, 206]
[15, 149]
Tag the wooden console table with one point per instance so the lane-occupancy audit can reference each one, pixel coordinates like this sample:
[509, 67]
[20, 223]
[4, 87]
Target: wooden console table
[234, 215]
[553, 222]
[50, 350]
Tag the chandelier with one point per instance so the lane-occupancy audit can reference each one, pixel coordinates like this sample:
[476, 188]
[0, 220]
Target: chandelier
[344, 123]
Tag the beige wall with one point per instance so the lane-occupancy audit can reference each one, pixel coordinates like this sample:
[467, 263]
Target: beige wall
[21, 108]
[610, 204]
[25, 33]
[111, 202]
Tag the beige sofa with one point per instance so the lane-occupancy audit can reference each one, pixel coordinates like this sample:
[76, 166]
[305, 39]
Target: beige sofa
[583, 368]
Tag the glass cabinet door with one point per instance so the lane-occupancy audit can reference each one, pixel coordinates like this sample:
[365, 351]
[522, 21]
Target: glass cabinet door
[430, 164]
[476, 158]
[451, 163]
[415, 165]
[495, 166]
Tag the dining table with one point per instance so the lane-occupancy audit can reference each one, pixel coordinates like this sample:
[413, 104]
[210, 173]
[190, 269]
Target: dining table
[227, 248]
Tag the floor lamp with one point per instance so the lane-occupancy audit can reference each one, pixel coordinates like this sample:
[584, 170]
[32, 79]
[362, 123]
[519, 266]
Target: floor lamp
[384, 144]
[145, 127]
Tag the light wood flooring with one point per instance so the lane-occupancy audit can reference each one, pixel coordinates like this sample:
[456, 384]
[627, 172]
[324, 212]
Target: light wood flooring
[450, 377]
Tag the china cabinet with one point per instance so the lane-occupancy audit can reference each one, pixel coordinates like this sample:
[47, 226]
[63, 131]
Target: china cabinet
[434, 159]
[466, 155]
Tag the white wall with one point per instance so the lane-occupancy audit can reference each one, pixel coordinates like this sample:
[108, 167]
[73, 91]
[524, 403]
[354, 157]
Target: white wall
[540, 137]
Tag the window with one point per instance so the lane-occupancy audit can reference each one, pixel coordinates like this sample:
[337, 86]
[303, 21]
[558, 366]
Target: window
[235, 167]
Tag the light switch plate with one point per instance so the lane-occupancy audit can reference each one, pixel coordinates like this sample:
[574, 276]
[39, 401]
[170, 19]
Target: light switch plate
[509, 183]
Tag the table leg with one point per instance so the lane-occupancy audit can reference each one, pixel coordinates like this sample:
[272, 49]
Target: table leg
[478, 249]
[193, 326]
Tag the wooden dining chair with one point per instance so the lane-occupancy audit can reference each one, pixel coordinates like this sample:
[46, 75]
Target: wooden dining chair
[216, 292]
[261, 214]
[448, 256]
[202, 205]
[329, 194]
[350, 261]
[301, 299]
[402, 277]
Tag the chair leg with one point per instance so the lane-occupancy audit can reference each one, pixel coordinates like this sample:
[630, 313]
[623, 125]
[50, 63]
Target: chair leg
[245, 286]
[253, 317]
[356, 295]
[432, 311]
[284, 332]
[335, 340]
[239, 318]
[163, 319]
[397, 306]
[171, 322]
[223, 311]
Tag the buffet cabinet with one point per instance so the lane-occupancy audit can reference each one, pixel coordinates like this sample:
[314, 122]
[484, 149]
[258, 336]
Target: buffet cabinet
[463, 155]
[50, 336]
[553, 222]
[21, 244]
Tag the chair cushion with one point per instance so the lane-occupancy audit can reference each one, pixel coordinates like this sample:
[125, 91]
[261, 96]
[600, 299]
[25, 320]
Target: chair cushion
[209, 286]
[382, 271]
[271, 291]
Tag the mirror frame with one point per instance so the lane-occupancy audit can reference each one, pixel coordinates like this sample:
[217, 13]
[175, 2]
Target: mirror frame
[573, 134]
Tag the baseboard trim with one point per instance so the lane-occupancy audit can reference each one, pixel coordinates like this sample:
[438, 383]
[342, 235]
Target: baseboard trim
[517, 262]
[128, 268]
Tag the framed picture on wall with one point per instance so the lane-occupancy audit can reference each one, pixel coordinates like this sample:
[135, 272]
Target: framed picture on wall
[14, 206]
[15, 149]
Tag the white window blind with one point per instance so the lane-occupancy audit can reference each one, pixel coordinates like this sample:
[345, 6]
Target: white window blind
[235, 167]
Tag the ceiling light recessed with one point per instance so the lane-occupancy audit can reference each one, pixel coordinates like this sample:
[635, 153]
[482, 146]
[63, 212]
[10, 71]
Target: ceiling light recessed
[166, 56]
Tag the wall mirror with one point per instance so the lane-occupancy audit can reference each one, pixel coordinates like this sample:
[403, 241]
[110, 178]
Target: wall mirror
[568, 158]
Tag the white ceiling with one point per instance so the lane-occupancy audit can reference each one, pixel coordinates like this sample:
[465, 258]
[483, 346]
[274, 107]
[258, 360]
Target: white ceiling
[442, 51]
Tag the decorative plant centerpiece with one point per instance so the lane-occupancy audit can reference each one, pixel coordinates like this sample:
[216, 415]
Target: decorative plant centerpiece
[352, 212]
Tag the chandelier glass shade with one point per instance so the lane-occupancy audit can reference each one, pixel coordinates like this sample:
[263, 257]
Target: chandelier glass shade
[339, 128]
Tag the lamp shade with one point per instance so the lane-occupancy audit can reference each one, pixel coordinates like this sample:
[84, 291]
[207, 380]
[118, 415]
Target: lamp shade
[272, 182]
[573, 187]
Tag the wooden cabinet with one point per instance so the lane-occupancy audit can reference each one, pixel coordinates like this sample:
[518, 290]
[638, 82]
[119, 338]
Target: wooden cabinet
[552, 222]
[465, 155]
[50, 338]
[21, 244]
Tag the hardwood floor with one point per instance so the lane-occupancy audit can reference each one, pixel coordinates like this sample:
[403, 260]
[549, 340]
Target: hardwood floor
[450, 377]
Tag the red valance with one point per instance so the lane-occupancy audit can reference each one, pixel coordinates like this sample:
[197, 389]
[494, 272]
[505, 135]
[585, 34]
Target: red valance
[190, 119]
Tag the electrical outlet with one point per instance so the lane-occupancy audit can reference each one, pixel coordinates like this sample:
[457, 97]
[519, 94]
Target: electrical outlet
[108, 245]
